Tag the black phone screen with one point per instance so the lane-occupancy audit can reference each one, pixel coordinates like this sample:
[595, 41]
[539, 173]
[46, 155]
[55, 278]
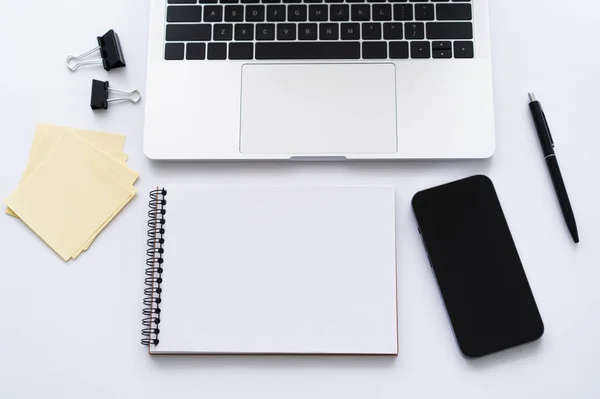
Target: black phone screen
[477, 266]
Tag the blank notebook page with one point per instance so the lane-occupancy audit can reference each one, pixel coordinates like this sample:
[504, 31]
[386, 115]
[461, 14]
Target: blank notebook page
[282, 270]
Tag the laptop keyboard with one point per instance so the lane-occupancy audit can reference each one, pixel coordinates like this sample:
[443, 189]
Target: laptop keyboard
[318, 29]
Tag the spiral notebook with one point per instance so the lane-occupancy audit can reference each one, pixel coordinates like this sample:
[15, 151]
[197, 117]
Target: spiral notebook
[271, 270]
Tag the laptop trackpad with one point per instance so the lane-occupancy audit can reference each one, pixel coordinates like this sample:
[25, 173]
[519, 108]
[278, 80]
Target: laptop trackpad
[321, 109]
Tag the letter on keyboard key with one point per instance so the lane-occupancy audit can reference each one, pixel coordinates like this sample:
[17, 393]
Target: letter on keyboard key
[350, 31]
[188, 33]
[275, 13]
[213, 13]
[234, 13]
[340, 12]
[244, 32]
[308, 51]
[286, 31]
[449, 30]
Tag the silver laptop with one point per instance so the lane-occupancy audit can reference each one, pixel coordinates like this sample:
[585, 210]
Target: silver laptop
[319, 79]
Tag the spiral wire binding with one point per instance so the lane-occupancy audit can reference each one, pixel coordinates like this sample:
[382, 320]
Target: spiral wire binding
[153, 280]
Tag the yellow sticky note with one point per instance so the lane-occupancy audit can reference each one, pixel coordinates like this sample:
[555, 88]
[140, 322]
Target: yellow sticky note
[45, 141]
[48, 136]
[110, 141]
[68, 197]
[119, 170]
[91, 240]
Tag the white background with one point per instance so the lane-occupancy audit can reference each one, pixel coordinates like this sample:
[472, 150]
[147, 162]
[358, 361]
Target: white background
[73, 330]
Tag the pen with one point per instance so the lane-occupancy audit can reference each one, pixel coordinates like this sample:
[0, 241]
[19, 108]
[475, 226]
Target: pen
[547, 143]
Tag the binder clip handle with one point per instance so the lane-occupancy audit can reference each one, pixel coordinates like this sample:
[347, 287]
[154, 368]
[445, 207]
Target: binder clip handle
[76, 58]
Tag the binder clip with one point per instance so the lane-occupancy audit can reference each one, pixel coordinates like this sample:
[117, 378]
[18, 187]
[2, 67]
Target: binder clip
[100, 93]
[110, 51]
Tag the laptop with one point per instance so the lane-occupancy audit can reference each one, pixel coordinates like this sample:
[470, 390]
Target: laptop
[319, 79]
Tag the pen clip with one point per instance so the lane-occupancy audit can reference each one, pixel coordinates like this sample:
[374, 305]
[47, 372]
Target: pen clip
[547, 128]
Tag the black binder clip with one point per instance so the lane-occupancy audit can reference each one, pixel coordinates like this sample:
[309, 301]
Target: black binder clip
[100, 93]
[110, 51]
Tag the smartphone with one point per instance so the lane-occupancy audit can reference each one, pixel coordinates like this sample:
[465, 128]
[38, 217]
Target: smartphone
[477, 267]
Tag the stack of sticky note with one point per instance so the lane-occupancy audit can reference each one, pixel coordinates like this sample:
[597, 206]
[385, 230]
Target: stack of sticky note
[75, 183]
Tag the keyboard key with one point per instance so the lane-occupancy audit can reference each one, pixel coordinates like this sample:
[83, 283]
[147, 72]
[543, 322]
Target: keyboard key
[382, 12]
[392, 30]
[189, 33]
[317, 13]
[244, 32]
[414, 31]
[255, 13]
[340, 12]
[208, 1]
[463, 50]
[350, 31]
[223, 32]
[184, 14]
[217, 51]
[229, 1]
[454, 12]
[286, 31]
[241, 51]
[297, 13]
[275, 13]
[250, 1]
[374, 50]
[174, 51]
[213, 13]
[446, 45]
[361, 12]
[399, 50]
[307, 31]
[424, 12]
[234, 13]
[308, 51]
[182, 2]
[449, 30]
[420, 50]
[444, 53]
[371, 31]
[329, 32]
[265, 31]
[195, 51]
[403, 12]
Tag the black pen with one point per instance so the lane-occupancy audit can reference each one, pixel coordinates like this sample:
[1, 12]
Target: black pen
[547, 143]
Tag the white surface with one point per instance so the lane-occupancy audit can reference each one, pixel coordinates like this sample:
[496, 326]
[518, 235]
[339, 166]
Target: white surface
[444, 107]
[73, 330]
[279, 270]
[318, 109]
